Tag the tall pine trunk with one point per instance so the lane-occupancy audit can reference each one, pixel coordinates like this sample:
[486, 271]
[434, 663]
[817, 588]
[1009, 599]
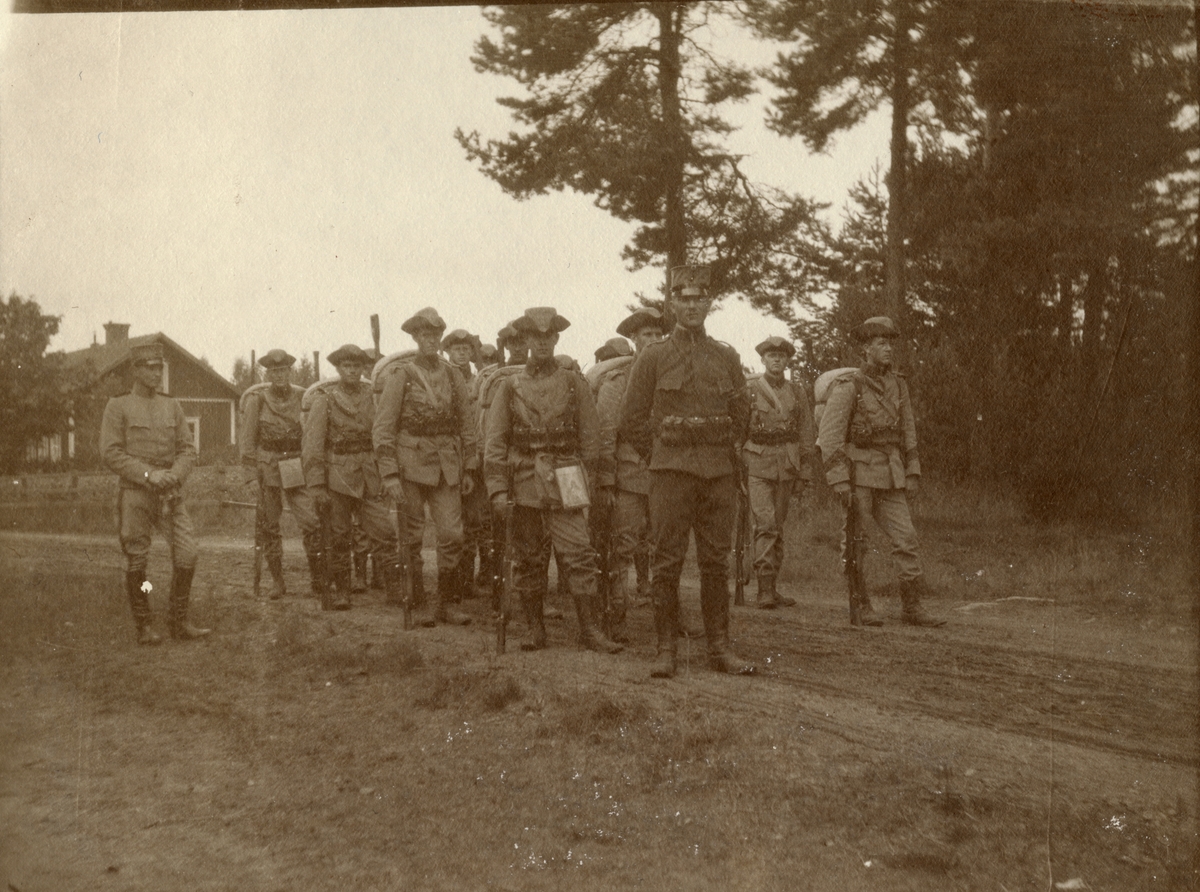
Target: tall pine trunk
[674, 139]
[897, 180]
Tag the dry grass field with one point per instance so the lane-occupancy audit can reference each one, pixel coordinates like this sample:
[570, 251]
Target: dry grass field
[1044, 739]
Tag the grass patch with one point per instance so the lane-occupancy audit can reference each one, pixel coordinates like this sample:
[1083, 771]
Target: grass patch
[491, 691]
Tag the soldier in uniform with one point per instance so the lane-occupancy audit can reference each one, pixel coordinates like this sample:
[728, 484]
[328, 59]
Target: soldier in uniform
[625, 492]
[868, 441]
[686, 414]
[542, 444]
[425, 445]
[340, 470]
[145, 440]
[777, 456]
[271, 433]
[461, 347]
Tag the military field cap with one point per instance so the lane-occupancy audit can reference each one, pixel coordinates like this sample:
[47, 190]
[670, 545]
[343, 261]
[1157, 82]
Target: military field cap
[875, 327]
[567, 362]
[276, 359]
[459, 336]
[612, 348]
[422, 319]
[690, 280]
[508, 333]
[540, 319]
[640, 318]
[146, 354]
[778, 344]
[349, 353]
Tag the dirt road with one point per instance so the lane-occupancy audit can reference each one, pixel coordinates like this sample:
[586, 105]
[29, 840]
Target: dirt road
[1061, 741]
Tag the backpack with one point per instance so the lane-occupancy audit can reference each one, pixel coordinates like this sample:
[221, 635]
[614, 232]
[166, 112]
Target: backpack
[824, 385]
[602, 371]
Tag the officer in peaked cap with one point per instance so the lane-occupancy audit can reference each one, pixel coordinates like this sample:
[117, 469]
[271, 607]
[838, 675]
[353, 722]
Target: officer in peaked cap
[424, 438]
[270, 435]
[868, 441]
[612, 348]
[686, 413]
[777, 457]
[541, 449]
[146, 441]
[342, 476]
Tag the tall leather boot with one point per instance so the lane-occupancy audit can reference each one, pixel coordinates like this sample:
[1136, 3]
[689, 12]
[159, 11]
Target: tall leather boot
[618, 600]
[666, 629]
[641, 564]
[714, 603]
[359, 583]
[535, 622]
[181, 590]
[587, 607]
[339, 576]
[278, 587]
[418, 573]
[768, 598]
[139, 604]
[444, 610]
[316, 562]
[911, 611]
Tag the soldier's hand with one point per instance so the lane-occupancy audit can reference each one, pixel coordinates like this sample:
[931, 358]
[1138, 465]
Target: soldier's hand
[156, 479]
[468, 484]
[395, 490]
[911, 484]
[320, 496]
[843, 493]
[500, 503]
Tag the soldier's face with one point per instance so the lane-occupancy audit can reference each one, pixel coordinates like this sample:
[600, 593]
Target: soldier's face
[518, 349]
[647, 334]
[541, 345]
[460, 354]
[879, 351]
[279, 377]
[350, 372]
[691, 309]
[428, 341]
[775, 361]
[149, 375]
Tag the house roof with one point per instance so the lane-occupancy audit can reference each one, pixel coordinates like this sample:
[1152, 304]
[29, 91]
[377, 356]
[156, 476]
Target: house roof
[102, 359]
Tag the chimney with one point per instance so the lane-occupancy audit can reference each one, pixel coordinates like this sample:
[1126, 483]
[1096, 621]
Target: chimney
[116, 332]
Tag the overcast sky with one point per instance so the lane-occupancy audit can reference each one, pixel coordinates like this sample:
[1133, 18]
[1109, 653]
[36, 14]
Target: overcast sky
[253, 180]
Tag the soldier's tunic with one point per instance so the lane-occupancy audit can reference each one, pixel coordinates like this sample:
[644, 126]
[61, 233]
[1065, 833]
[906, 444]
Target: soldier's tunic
[543, 417]
[622, 467]
[337, 452]
[271, 431]
[476, 520]
[138, 435]
[685, 411]
[777, 456]
[868, 437]
[424, 435]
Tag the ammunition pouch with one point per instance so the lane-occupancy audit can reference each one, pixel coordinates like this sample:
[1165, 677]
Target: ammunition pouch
[557, 440]
[280, 444]
[774, 436]
[864, 436]
[696, 430]
[350, 445]
[430, 425]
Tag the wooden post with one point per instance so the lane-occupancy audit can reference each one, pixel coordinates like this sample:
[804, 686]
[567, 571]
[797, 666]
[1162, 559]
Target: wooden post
[252, 367]
[317, 364]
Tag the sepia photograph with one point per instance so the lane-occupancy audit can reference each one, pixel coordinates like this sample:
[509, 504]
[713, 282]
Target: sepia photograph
[745, 445]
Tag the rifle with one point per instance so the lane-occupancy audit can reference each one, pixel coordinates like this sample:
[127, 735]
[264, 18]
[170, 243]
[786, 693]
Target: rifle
[324, 581]
[740, 568]
[259, 541]
[406, 569]
[604, 557]
[855, 585]
[505, 605]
